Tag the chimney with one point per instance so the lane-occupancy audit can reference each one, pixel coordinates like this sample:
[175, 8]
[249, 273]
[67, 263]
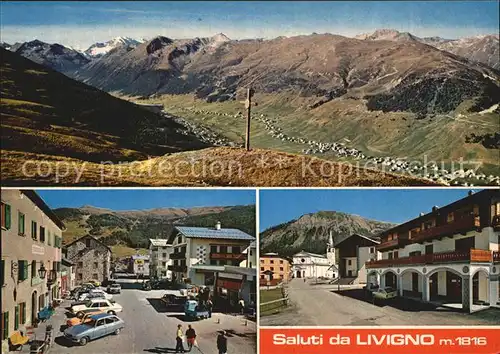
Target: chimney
[471, 192]
[421, 214]
[218, 225]
[434, 208]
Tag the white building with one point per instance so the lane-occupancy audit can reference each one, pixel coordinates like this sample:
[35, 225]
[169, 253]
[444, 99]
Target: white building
[159, 259]
[449, 256]
[200, 252]
[139, 265]
[251, 252]
[352, 254]
[311, 265]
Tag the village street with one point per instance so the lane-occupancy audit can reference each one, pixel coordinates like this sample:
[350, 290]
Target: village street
[320, 305]
[149, 328]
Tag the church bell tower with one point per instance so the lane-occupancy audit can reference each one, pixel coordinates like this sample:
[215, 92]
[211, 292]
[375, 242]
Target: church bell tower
[330, 250]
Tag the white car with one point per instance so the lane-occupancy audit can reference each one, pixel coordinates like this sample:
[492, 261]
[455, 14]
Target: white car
[103, 305]
[95, 293]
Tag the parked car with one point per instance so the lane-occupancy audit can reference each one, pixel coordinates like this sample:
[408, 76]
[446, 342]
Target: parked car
[104, 305]
[114, 288]
[96, 283]
[99, 326]
[95, 294]
[89, 285]
[82, 317]
[385, 293]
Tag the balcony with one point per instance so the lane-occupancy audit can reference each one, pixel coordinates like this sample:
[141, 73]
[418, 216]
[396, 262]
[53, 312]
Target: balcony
[178, 268]
[496, 257]
[461, 225]
[178, 255]
[227, 256]
[471, 256]
[389, 245]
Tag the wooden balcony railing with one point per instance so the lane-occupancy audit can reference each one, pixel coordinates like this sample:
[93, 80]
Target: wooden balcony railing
[235, 256]
[496, 257]
[387, 245]
[178, 255]
[473, 255]
[461, 225]
[177, 268]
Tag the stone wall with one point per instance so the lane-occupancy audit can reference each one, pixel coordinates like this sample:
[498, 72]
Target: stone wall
[91, 258]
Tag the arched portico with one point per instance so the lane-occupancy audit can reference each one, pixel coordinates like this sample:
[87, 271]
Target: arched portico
[389, 278]
[412, 283]
[480, 287]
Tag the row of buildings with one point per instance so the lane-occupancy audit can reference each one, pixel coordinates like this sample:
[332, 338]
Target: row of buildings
[449, 255]
[36, 268]
[223, 259]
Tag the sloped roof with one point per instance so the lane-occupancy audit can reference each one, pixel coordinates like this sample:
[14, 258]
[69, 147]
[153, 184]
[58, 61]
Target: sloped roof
[38, 201]
[87, 236]
[374, 240]
[211, 233]
[159, 242]
[309, 254]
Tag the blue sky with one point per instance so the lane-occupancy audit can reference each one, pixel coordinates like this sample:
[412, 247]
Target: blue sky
[134, 199]
[80, 24]
[391, 205]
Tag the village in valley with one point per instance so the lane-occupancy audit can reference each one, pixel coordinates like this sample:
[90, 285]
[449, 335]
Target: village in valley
[55, 287]
[440, 267]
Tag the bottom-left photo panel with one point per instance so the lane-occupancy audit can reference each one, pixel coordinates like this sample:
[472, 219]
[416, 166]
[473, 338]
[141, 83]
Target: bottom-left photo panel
[129, 270]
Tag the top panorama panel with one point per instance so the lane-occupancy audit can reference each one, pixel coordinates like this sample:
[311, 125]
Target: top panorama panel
[250, 94]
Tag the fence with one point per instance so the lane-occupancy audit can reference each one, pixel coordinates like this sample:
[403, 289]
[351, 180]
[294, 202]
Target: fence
[278, 304]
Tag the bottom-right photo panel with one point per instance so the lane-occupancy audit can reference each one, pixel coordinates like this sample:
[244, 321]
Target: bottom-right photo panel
[377, 258]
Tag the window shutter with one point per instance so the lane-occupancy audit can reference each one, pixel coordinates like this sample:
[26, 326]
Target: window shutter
[16, 318]
[5, 325]
[3, 272]
[7, 216]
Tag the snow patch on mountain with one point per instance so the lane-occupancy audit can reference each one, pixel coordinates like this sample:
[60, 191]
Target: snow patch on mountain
[98, 50]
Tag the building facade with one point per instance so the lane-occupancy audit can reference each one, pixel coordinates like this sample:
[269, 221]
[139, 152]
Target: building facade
[31, 243]
[352, 254]
[450, 255]
[199, 252]
[139, 265]
[274, 269]
[159, 259]
[312, 265]
[251, 260]
[91, 259]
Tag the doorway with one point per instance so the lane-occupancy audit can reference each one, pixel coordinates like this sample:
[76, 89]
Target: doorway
[453, 287]
[414, 282]
[299, 274]
[33, 307]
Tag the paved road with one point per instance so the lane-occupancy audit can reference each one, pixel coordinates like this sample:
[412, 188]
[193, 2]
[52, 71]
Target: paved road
[149, 328]
[322, 306]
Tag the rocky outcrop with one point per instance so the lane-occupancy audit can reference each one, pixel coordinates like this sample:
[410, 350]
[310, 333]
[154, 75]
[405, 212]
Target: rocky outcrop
[54, 56]
[310, 232]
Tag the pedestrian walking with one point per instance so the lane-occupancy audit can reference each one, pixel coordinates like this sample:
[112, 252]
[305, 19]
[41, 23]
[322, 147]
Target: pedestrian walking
[179, 347]
[242, 306]
[191, 337]
[222, 342]
[210, 306]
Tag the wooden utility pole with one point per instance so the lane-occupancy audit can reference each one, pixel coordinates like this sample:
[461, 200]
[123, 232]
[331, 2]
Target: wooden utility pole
[248, 106]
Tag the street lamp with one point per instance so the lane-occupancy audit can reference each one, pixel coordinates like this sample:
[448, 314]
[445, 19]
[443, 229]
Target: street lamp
[42, 272]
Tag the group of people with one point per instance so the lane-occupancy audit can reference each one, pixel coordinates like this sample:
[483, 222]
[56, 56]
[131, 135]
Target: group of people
[191, 340]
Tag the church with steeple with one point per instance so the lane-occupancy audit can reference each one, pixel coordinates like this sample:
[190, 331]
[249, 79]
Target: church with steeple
[312, 265]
